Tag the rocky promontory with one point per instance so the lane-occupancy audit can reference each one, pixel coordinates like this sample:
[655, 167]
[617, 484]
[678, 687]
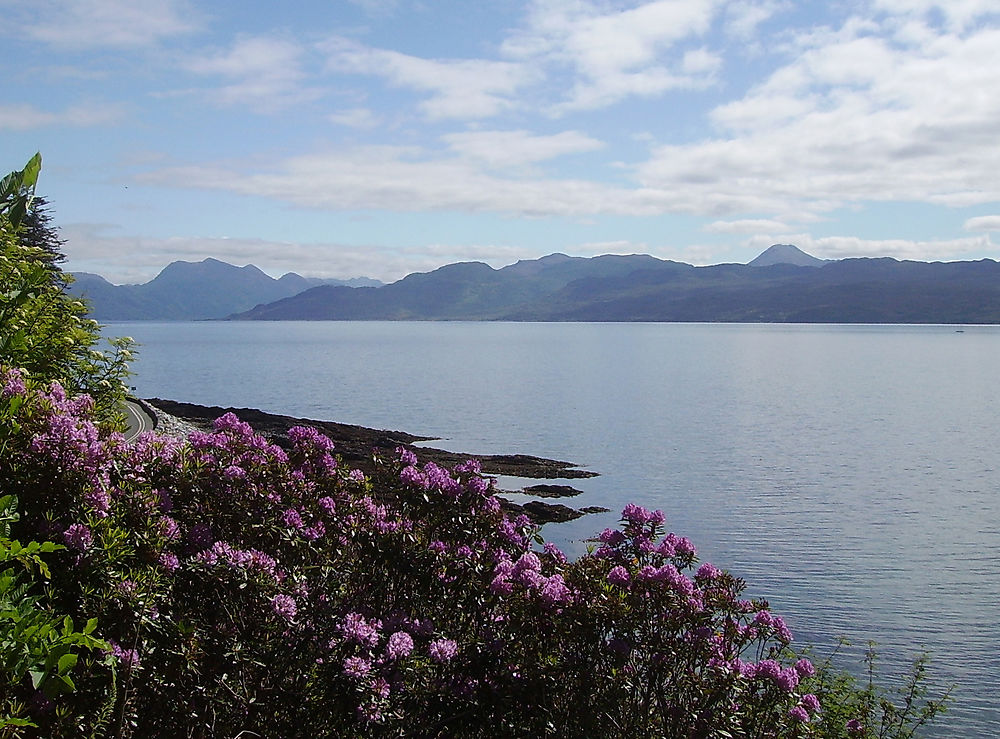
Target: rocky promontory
[355, 444]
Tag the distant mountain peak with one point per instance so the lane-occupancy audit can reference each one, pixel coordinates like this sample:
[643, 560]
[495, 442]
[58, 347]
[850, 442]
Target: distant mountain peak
[785, 254]
[186, 290]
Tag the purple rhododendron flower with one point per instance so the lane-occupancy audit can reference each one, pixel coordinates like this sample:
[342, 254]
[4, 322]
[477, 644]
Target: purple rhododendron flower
[127, 589]
[527, 562]
[307, 436]
[284, 606]
[648, 572]
[316, 531]
[478, 485]
[781, 629]
[708, 571]
[553, 551]
[798, 713]
[380, 687]
[410, 475]
[406, 457]
[99, 502]
[501, 585]
[509, 532]
[443, 650]
[292, 519]
[635, 514]
[169, 561]
[169, 528]
[356, 667]
[400, 645]
[355, 628]
[683, 546]
[231, 423]
[13, 384]
[553, 590]
[746, 669]
[768, 668]
[78, 537]
[470, 465]
[787, 679]
[370, 713]
[805, 668]
[810, 702]
[128, 658]
[854, 726]
[614, 537]
[666, 547]
[618, 576]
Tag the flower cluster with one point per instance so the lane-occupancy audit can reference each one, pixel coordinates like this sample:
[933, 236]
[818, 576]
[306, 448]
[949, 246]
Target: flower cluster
[409, 595]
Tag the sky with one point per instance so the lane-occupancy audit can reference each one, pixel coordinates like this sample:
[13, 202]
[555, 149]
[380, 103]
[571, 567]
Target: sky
[383, 137]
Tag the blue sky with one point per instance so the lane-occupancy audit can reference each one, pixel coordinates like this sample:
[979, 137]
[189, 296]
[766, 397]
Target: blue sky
[383, 137]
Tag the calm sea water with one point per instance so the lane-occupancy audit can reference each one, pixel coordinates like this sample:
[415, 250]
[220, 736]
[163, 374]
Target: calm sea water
[849, 473]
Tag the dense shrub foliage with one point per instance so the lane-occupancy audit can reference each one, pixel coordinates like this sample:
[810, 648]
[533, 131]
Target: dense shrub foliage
[223, 585]
[242, 586]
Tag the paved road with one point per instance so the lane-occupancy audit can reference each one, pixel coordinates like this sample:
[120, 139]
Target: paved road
[138, 420]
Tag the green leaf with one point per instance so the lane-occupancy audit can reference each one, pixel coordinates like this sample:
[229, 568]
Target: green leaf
[37, 677]
[66, 663]
[4, 722]
[29, 175]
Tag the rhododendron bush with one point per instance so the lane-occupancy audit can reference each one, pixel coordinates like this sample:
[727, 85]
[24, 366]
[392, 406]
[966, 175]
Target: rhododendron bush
[245, 586]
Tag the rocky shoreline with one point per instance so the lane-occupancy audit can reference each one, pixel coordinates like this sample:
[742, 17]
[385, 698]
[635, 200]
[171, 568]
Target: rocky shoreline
[354, 444]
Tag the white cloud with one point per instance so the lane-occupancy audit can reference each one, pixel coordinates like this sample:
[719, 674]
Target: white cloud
[983, 223]
[853, 118]
[84, 24]
[458, 88]
[958, 14]
[25, 117]
[747, 226]
[355, 118]
[516, 148]
[409, 179]
[266, 73]
[700, 61]
[619, 53]
[744, 16]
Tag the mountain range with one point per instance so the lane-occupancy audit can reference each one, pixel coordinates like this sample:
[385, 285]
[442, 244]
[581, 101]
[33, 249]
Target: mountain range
[193, 291]
[783, 284]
